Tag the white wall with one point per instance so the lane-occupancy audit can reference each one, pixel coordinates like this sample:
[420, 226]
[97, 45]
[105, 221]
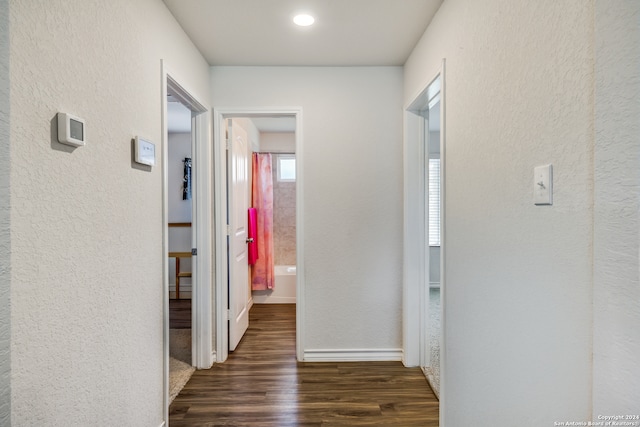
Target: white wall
[5, 242]
[352, 130]
[87, 346]
[278, 142]
[518, 309]
[434, 264]
[616, 344]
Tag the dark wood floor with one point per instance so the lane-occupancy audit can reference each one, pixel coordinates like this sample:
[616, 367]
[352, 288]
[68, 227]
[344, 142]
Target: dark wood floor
[180, 313]
[262, 385]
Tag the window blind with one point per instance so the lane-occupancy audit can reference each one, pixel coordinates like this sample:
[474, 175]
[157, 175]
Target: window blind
[434, 202]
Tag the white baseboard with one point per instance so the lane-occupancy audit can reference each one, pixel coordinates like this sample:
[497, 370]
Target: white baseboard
[185, 290]
[183, 295]
[261, 299]
[354, 355]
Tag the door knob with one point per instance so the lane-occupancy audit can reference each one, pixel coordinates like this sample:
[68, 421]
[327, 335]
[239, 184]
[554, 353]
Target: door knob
[249, 240]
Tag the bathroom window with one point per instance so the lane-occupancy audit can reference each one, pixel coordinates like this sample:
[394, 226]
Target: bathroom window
[286, 168]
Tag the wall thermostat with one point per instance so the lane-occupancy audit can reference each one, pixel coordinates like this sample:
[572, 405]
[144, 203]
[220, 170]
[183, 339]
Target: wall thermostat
[71, 130]
[145, 152]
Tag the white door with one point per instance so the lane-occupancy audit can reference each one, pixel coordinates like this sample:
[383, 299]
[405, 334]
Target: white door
[238, 190]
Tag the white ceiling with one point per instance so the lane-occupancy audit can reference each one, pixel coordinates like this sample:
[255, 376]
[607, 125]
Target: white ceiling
[178, 118]
[261, 32]
[346, 32]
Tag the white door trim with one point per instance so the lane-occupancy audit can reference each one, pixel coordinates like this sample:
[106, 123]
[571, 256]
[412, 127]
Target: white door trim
[202, 295]
[443, 242]
[416, 263]
[221, 262]
[202, 325]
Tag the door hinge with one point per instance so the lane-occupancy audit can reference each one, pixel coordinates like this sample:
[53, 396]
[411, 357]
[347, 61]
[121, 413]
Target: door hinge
[228, 229]
[228, 314]
[228, 144]
[194, 251]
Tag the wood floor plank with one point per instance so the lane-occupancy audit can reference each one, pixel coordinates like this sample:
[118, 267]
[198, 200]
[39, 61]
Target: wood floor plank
[180, 313]
[262, 385]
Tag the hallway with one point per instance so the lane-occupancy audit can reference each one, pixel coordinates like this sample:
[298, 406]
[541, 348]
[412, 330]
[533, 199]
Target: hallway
[262, 385]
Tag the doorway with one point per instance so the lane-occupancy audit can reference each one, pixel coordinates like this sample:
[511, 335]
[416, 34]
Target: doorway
[425, 290]
[431, 322]
[263, 124]
[196, 165]
[181, 232]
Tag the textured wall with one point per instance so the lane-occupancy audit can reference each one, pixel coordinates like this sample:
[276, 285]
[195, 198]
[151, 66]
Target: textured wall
[616, 346]
[518, 309]
[352, 161]
[87, 330]
[5, 242]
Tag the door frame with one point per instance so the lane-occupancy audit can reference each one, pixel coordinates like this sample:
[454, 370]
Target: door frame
[201, 294]
[220, 114]
[416, 261]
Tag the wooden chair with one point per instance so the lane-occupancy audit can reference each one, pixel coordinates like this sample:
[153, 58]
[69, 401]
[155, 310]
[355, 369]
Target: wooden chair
[177, 256]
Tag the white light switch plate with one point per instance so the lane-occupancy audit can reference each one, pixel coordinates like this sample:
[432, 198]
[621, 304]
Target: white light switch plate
[543, 185]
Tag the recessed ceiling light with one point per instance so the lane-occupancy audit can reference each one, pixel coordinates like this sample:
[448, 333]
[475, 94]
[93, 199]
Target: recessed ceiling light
[303, 20]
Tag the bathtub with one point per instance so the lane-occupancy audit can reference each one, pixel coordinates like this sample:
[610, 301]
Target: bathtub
[284, 288]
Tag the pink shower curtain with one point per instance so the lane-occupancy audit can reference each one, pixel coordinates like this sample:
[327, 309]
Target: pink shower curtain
[262, 276]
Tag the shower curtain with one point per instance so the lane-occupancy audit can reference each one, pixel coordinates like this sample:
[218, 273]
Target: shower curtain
[262, 274]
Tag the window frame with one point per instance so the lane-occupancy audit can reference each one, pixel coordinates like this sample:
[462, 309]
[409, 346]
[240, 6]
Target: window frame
[285, 157]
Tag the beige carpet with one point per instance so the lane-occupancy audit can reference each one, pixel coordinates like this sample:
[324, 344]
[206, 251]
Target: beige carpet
[179, 375]
[180, 344]
[180, 369]
[433, 370]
